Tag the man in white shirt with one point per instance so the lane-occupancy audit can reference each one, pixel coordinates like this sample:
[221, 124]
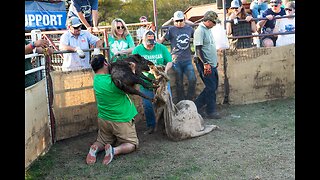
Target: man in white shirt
[76, 40]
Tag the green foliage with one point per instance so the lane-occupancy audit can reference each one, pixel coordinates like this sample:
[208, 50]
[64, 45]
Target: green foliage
[131, 10]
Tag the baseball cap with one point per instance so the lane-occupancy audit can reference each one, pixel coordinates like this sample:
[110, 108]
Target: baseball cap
[178, 15]
[150, 37]
[212, 16]
[74, 21]
[143, 18]
[235, 4]
[275, 2]
[290, 5]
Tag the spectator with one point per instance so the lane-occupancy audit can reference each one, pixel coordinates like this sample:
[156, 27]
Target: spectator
[257, 7]
[286, 25]
[40, 45]
[120, 40]
[86, 11]
[267, 26]
[142, 29]
[206, 62]
[180, 36]
[284, 2]
[116, 112]
[240, 28]
[75, 40]
[159, 55]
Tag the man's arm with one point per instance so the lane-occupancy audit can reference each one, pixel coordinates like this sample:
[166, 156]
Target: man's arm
[161, 39]
[168, 22]
[200, 54]
[95, 18]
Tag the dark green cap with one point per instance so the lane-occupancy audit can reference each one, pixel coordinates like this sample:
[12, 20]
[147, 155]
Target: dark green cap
[212, 16]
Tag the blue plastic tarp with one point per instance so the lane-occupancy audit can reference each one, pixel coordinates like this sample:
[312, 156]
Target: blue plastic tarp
[45, 15]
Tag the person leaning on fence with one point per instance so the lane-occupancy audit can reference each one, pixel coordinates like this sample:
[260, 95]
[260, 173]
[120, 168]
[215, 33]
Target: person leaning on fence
[267, 26]
[40, 45]
[116, 128]
[240, 28]
[286, 25]
[159, 55]
[180, 36]
[86, 11]
[120, 40]
[206, 59]
[142, 29]
[76, 40]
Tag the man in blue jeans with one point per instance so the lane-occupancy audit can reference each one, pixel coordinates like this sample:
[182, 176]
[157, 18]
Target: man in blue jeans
[206, 63]
[179, 36]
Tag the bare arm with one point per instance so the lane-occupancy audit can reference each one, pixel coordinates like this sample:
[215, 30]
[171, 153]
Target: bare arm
[95, 18]
[253, 26]
[168, 22]
[83, 20]
[99, 44]
[168, 66]
[67, 48]
[228, 28]
[161, 39]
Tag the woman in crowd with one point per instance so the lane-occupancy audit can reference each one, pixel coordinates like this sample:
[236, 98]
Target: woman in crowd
[240, 28]
[120, 40]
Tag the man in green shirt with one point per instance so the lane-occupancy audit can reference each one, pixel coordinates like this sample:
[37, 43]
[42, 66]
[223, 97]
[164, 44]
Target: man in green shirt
[159, 55]
[116, 112]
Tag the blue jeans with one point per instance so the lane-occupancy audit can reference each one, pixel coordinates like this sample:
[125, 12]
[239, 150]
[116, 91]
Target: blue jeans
[258, 9]
[148, 106]
[180, 68]
[208, 95]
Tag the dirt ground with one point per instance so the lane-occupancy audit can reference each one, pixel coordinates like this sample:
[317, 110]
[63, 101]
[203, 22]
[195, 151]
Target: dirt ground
[255, 141]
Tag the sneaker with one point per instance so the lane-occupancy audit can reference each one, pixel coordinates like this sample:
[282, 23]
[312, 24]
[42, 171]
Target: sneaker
[109, 154]
[150, 130]
[214, 115]
[203, 114]
[92, 155]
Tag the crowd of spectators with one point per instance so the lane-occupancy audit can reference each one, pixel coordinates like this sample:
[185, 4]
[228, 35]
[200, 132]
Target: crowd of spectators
[117, 133]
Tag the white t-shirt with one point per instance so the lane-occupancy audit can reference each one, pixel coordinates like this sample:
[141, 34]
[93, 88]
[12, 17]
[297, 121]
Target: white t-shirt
[285, 25]
[140, 32]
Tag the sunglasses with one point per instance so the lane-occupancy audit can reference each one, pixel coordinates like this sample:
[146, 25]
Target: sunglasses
[181, 20]
[120, 27]
[233, 8]
[274, 5]
[288, 9]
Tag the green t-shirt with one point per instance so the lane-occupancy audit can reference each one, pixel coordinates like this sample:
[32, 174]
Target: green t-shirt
[113, 103]
[29, 79]
[159, 55]
[119, 45]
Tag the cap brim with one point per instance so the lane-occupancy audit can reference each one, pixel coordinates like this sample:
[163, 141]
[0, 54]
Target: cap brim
[178, 19]
[76, 25]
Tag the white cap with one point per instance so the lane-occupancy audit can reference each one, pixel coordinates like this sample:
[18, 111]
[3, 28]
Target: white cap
[178, 15]
[235, 4]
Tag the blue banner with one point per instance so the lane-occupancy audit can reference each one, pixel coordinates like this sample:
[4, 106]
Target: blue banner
[45, 15]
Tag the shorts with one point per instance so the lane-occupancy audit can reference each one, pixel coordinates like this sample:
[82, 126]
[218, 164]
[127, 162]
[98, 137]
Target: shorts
[116, 133]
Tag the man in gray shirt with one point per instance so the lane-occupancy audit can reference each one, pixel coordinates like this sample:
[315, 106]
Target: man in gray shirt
[179, 36]
[206, 63]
